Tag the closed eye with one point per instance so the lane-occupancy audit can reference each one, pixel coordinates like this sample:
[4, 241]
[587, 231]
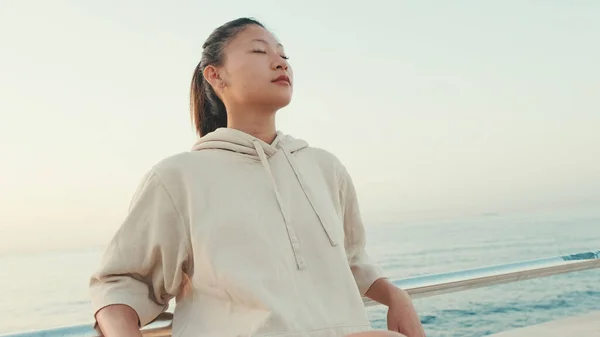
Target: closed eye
[264, 52]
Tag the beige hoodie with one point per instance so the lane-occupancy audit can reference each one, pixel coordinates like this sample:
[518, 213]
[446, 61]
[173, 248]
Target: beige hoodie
[250, 238]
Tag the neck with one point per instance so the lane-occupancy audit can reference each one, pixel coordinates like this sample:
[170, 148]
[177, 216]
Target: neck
[259, 123]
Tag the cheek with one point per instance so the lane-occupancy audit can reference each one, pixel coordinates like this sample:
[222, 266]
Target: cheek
[248, 71]
[249, 78]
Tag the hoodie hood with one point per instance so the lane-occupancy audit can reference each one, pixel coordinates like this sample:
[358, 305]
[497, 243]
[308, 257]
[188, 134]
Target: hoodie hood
[243, 143]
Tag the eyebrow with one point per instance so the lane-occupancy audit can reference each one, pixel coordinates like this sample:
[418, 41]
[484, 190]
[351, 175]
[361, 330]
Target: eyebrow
[265, 42]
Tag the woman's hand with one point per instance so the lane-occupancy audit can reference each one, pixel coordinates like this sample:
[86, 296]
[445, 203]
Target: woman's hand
[402, 316]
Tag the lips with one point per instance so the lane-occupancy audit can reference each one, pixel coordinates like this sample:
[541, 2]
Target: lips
[282, 78]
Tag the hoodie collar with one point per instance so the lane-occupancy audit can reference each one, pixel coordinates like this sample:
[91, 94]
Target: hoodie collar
[238, 141]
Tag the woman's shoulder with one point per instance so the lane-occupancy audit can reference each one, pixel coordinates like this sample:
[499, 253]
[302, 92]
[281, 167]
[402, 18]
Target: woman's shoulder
[176, 167]
[322, 155]
[326, 159]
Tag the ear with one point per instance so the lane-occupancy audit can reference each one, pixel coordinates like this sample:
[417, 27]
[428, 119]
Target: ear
[212, 75]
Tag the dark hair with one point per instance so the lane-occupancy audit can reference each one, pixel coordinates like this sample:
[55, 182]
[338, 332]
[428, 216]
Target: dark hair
[207, 110]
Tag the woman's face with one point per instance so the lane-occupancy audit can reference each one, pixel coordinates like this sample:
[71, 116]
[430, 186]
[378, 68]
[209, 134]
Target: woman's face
[255, 71]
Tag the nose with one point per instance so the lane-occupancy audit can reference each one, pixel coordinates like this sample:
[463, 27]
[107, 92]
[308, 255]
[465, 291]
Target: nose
[280, 63]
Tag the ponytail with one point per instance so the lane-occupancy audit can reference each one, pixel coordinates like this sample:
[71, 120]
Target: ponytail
[207, 110]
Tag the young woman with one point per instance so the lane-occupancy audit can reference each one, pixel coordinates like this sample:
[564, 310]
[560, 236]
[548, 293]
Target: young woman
[252, 232]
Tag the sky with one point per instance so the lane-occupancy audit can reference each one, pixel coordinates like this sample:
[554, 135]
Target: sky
[437, 108]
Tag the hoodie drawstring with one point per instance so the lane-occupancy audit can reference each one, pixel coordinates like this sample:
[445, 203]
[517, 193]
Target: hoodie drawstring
[305, 189]
[290, 231]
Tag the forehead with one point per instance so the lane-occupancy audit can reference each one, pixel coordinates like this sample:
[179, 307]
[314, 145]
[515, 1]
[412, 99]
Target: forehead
[254, 34]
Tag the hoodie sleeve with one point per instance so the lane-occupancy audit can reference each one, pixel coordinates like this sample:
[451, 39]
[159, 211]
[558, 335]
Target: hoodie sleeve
[144, 263]
[364, 271]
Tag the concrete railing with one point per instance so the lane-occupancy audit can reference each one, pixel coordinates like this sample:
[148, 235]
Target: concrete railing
[417, 287]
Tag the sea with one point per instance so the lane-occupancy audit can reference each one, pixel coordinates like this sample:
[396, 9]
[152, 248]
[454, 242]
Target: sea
[46, 290]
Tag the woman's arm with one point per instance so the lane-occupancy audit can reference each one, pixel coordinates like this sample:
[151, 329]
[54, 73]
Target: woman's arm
[118, 320]
[402, 316]
[364, 271]
[144, 265]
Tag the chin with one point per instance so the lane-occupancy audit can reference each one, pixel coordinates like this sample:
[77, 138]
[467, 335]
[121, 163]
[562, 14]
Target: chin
[282, 102]
[278, 100]
[273, 98]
